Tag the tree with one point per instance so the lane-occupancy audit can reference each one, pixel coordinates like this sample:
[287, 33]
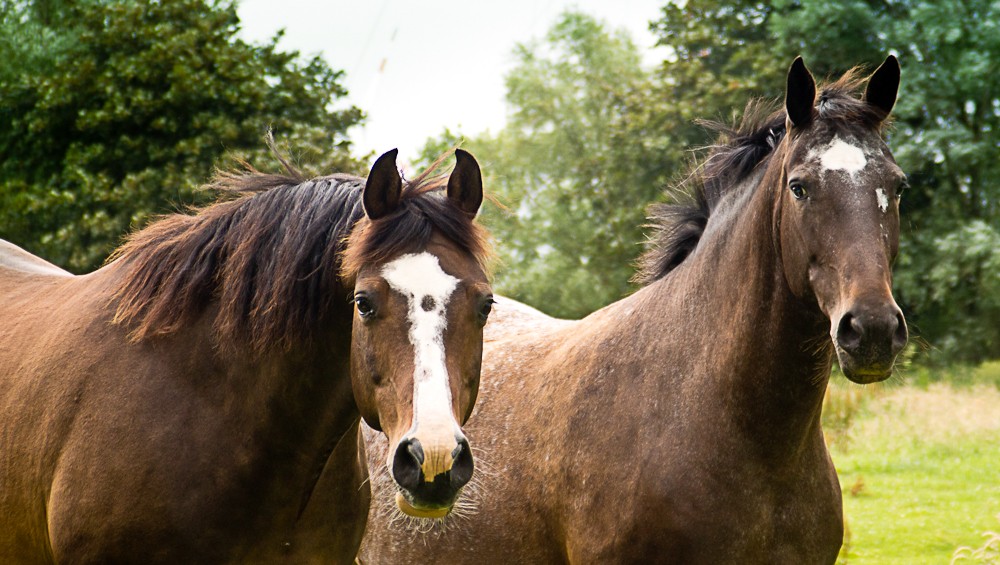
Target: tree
[948, 139]
[592, 139]
[132, 105]
[575, 167]
[722, 55]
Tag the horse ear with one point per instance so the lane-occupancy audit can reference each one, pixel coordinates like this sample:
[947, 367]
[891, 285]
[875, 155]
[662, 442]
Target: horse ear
[800, 95]
[883, 85]
[465, 185]
[383, 187]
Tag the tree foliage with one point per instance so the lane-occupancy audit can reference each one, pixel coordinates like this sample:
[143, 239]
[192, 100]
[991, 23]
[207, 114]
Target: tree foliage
[115, 110]
[721, 57]
[592, 138]
[574, 166]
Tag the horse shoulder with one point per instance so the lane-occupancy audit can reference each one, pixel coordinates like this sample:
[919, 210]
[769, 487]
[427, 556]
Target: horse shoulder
[14, 258]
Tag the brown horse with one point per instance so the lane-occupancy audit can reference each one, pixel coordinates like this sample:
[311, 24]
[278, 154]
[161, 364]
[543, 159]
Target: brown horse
[682, 424]
[198, 398]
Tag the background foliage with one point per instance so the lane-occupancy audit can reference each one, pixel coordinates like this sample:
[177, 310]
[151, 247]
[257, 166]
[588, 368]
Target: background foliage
[113, 110]
[575, 166]
[593, 137]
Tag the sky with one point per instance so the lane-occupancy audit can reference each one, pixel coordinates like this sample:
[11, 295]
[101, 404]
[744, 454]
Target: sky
[416, 67]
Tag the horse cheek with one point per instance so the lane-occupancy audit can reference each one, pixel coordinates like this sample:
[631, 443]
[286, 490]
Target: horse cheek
[465, 380]
[365, 376]
[795, 255]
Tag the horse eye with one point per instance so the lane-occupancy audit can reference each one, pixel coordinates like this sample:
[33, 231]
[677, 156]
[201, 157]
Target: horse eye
[365, 306]
[798, 191]
[486, 309]
[903, 187]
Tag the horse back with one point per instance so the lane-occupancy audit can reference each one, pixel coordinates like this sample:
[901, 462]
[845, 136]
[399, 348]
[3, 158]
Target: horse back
[13, 258]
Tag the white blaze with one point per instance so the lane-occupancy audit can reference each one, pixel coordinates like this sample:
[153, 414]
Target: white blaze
[883, 200]
[842, 156]
[427, 288]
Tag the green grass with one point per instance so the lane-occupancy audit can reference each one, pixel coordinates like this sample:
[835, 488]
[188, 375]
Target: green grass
[987, 373]
[919, 467]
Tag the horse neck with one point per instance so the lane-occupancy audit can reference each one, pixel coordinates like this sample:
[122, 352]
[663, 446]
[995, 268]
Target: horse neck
[294, 404]
[301, 392]
[753, 342]
[308, 388]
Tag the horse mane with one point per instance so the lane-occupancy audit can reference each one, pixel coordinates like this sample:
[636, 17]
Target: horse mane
[274, 257]
[676, 228]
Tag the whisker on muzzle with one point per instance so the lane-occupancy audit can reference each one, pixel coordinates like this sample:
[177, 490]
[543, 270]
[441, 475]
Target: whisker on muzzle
[365, 482]
[467, 504]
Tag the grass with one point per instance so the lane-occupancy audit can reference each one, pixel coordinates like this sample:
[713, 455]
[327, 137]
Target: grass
[989, 552]
[920, 470]
[987, 373]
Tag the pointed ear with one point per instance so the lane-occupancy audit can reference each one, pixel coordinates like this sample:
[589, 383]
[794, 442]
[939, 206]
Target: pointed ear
[883, 85]
[465, 185]
[800, 95]
[383, 187]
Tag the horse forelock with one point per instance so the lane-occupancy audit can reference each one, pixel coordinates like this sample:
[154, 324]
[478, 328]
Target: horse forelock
[676, 228]
[423, 209]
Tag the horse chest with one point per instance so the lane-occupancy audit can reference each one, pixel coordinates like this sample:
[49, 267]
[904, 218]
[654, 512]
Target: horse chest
[733, 535]
[711, 512]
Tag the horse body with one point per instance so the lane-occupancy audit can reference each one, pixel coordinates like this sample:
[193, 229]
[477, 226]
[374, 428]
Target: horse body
[629, 454]
[682, 423]
[180, 471]
[191, 444]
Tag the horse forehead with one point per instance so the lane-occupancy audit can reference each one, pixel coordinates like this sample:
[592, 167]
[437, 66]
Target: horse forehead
[417, 275]
[841, 155]
[848, 154]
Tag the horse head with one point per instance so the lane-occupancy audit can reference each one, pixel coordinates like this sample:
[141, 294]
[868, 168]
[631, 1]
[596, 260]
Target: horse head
[838, 216]
[430, 293]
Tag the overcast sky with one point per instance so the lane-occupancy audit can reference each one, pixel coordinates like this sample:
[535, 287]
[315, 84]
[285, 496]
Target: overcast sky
[418, 66]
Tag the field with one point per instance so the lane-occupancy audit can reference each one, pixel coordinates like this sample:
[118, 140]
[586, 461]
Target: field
[919, 465]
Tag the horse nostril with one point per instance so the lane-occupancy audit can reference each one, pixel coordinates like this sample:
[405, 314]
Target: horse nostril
[462, 465]
[900, 335]
[406, 464]
[849, 333]
[416, 450]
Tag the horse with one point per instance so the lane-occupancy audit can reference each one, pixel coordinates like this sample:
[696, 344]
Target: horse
[198, 398]
[681, 424]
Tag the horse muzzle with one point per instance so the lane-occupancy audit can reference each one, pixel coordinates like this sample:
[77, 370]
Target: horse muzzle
[430, 480]
[868, 337]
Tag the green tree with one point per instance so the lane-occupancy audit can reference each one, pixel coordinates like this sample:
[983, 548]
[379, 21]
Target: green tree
[129, 106]
[592, 139]
[575, 167]
[722, 55]
[948, 140]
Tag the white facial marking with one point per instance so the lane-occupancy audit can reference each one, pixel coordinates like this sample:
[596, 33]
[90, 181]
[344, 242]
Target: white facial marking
[427, 288]
[883, 200]
[842, 156]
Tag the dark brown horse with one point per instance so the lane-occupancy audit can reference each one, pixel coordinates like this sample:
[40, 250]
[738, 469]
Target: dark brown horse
[197, 400]
[682, 424]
